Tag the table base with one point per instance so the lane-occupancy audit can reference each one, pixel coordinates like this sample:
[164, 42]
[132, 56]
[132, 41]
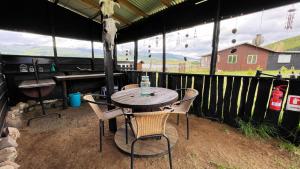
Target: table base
[146, 147]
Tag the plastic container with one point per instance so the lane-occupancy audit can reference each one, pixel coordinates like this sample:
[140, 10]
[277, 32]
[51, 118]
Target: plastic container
[75, 99]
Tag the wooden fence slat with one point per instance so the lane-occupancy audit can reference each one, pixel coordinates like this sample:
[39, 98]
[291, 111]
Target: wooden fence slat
[241, 113]
[290, 119]
[250, 99]
[262, 97]
[161, 80]
[178, 86]
[227, 97]
[234, 101]
[152, 78]
[198, 85]
[272, 116]
[206, 96]
[219, 110]
[189, 81]
[213, 97]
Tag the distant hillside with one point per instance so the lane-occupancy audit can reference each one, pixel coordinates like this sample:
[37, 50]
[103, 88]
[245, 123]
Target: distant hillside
[290, 44]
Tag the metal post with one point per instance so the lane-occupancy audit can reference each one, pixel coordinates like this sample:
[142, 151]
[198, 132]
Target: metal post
[135, 54]
[215, 42]
[93, 55]
[164, 52]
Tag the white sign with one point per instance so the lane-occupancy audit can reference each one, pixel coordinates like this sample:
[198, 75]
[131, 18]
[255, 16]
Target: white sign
[293, 103]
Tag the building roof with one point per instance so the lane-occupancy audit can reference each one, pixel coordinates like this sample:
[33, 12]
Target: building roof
[130, 11]
[249, 44]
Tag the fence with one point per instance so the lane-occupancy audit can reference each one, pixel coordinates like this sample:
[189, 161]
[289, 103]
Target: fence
[228, 98]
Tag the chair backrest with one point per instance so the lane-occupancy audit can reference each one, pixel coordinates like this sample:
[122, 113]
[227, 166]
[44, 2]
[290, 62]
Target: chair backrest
[130, 86]
[188, 99]
[149, 123]
[89, 98]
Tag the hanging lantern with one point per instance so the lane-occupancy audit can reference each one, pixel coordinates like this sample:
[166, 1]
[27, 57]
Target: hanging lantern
[185, 59]
[149, 56]
[186, 45]
[233, 41]
[187, 35]
[290, 19]
[195, 33]
[156, 41]
[149, 51]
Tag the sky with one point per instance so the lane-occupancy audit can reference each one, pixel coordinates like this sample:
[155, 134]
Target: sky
[269, 23]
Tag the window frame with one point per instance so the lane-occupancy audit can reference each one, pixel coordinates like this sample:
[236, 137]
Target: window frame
[231, 56]
[251, 60]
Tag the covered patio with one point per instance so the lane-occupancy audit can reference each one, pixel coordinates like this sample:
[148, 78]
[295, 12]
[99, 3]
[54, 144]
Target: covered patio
[60, 107]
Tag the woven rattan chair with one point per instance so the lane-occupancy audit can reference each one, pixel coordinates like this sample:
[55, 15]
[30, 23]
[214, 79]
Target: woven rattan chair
[183, 106]
[102, 116]
[149, 125]
[130, 86]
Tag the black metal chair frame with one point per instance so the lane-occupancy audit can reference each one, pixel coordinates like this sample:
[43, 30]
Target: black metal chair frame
[147, 137]
[187, 114]
[101, 122]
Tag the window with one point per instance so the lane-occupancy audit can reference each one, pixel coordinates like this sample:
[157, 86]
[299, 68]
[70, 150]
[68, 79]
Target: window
[284, 58]
[251, 59]
[232, 59]
[188, 49]
[280, 35]
[150, 53]
[125, 51]
[73, 48]
[21, 43]
[98, 50]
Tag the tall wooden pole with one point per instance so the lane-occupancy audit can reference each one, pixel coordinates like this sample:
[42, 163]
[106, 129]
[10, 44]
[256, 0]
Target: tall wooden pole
[215, 42]
[109, 77]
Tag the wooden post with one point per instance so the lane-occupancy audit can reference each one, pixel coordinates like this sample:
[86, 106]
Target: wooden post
[115, 57]
[215, 42]
[135, 54]
[109, 77]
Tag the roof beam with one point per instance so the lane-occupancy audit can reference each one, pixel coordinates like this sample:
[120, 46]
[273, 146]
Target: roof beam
[166, 2]
[94, 4]
[133, 8]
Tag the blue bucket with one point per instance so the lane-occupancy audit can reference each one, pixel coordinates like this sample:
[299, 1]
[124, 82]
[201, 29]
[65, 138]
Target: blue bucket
[75, 99]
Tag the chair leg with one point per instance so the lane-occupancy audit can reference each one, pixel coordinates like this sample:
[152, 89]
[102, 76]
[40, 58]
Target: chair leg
[177, 119]
[126, 130]
[132, 153]
[100, 134]
[169, 152]
[187, 127]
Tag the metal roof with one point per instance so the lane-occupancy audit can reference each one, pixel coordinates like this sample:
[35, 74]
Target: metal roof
[130, 11]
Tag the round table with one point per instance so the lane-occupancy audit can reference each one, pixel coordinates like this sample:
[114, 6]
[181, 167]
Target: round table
[133, 99]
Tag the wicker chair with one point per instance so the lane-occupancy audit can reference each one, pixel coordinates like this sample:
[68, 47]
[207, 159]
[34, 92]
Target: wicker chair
[149, 125]
[102, 116]
[130, 86]
[183, 106]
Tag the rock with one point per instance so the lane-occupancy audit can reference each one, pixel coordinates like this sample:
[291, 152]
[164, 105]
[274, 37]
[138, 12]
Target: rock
[7, 142]
[13, 121]
[9, 163]
[8, 154]
[13, 132]
[7, 167]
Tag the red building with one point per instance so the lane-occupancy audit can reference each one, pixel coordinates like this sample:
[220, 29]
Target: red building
[246, 57]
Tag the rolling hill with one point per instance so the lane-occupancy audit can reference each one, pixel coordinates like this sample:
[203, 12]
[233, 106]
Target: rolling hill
[290, 44]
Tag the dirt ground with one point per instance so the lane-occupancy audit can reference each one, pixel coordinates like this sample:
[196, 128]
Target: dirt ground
[72, 143]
